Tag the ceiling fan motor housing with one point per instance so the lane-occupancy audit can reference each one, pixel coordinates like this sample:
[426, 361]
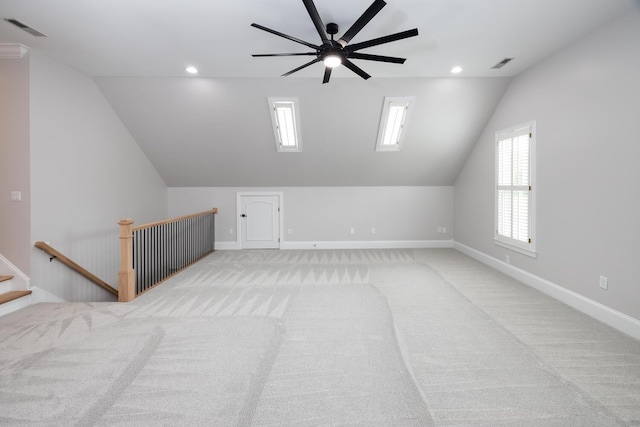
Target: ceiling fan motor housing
[331, 48]
[332, 28]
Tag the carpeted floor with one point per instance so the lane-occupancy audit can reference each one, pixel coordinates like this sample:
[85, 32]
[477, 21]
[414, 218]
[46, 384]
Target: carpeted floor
[330, 338]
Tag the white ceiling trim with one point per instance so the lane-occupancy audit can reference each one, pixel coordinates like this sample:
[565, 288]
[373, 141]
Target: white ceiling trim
[12, 51]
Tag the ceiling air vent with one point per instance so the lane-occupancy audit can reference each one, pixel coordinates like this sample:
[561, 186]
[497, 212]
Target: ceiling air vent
[502, 63]
[24, 27]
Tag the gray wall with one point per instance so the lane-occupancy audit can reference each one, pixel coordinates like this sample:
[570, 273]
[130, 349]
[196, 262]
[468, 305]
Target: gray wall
[586, 101]
[14, 161]
[326, 214]
[87, 172]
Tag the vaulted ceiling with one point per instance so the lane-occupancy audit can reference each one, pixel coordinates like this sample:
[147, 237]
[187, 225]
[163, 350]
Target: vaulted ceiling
[214, 129]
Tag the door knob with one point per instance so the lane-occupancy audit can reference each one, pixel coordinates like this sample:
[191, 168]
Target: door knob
[243, 215]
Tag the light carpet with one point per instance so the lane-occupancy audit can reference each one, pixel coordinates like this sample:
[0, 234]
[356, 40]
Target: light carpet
[330, 338]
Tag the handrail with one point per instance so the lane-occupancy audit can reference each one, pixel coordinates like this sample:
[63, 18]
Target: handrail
[169, 221]
[75, 267]
[151, 253]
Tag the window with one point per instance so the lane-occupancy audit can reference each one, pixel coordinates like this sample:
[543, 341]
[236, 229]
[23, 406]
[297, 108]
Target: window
[286, 124]
[514, 188]
[395, 117]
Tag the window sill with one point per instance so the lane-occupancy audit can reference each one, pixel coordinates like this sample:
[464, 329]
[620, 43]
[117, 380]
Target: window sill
[514, 248]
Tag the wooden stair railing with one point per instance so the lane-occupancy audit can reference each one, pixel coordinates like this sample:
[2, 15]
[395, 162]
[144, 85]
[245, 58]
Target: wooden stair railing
[55, 254]
[161, 250]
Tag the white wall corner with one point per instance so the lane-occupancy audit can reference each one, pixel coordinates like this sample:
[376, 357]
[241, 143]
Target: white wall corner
[12, 50]
[607, 315]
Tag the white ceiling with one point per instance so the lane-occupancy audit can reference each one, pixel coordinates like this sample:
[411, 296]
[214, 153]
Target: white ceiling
[161, 37]
[214, 129]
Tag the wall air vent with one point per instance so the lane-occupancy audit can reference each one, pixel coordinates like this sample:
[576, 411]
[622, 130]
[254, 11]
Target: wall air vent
[502, 63]
[25, 27]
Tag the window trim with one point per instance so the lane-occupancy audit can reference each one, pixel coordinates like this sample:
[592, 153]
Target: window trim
[273, 101]
[384, 121]
[526, 248]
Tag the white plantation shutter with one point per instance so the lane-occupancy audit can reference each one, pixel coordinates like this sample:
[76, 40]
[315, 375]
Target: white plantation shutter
[286, 124]
[393, 122]
[285, 119]
[514, 190]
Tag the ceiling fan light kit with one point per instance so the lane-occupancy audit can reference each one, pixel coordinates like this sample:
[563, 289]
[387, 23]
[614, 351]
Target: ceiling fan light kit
[332, 61]
[335, 53]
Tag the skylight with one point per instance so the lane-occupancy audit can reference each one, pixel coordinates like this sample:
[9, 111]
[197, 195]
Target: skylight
[286, 124]
[395, 117]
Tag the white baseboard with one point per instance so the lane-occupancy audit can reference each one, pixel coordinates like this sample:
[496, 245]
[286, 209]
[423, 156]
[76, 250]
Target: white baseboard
[20, 281]
[39, 295]
[607, 315]
[348, 244]
[227, 246]
[379, 244]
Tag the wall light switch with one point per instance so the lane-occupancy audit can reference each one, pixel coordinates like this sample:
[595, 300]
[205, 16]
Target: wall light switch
[16, 196]
[289, 232]
[604, 282]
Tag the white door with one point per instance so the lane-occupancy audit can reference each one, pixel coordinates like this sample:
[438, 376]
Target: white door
[260, 222]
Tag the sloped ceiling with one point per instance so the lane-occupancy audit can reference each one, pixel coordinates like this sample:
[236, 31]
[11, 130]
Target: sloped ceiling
[215, 130]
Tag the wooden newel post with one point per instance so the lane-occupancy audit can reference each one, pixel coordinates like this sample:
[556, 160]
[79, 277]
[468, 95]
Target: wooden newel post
[126, 276]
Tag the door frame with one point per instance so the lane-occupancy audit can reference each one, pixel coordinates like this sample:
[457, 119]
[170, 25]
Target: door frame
[239, 196]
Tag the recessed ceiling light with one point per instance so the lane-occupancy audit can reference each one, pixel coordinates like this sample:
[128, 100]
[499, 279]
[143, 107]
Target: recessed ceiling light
[191, 70]
[456, 70]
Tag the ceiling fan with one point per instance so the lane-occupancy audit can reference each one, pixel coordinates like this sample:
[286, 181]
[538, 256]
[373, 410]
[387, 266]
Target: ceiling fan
[334, 53]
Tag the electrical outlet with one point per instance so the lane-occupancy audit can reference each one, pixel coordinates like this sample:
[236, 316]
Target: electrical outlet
[444, 229]
[353, 230]
[231, 231]
[507, 259]
[289, 231]
[439, 229]
[604, 282]
[373, 230]
[16, 196]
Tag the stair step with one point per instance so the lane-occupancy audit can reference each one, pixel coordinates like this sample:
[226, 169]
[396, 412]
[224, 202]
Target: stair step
[6, 284]
[12, 295]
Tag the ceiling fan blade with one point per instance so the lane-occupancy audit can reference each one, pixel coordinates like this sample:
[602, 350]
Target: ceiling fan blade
[353, 67]
[317, 21]
[327, 75]
[258, 55]
[392, 59]
[301, 67]
[367, 16]
[293, 39]
[381, 40]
